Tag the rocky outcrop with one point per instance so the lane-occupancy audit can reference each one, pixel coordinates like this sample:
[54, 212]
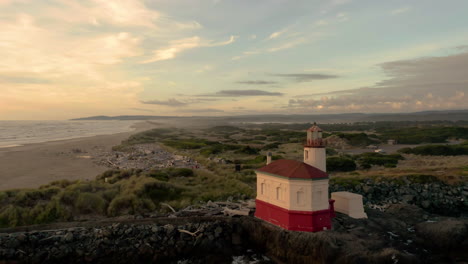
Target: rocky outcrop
[434, 197]
[385, 237]
[209, 242]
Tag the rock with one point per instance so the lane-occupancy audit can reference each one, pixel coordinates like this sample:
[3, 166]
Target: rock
[425, 204]
[368, 189]
[407, 198]
[169, 229]
[443, 235]
[21, 237]
[68, 237]
[218, 231]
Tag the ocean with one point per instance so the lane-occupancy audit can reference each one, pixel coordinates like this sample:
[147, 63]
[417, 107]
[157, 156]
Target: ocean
[18, 133]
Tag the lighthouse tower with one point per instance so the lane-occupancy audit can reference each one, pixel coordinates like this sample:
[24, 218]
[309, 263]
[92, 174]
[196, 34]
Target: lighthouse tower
[294, 194]
[314, 149]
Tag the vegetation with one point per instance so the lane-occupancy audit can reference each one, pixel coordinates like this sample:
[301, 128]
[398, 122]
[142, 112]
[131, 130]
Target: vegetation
[366, 160]
[418, 135]
[117, 192]
[144, 137]
[438, 150]
[359, 139]
[340, 164]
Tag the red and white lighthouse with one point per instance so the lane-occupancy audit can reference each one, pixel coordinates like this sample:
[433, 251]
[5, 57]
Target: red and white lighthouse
[293, 194]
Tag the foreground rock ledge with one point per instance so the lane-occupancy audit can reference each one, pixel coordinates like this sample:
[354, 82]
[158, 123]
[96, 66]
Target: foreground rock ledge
[397, 236]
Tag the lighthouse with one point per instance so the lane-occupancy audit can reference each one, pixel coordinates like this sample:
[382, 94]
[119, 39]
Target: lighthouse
[294, 194]
[314, 149]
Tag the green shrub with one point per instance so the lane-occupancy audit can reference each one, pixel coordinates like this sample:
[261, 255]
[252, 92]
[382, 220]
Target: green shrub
[159, 175]
[12, 216]
[247, 150]
[30, 197]
[340, 164]
[159, 191]
[437, 150]
[123, 204]
[359, 139]
[366, 160]
[273, 145]
[53, 211]
[331, 152]
[3, 196]
[90, 203]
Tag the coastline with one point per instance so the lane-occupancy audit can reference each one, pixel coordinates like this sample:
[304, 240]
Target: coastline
[36, 164]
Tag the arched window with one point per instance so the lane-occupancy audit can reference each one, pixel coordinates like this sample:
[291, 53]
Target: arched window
[300, 198]
[306, 154]
[262, 188]
[278, 193]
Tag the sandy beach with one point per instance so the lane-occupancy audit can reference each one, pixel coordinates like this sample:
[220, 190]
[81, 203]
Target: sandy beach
[33, 165]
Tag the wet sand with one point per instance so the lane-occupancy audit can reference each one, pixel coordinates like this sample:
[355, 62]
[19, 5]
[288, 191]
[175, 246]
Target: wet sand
[33, 165]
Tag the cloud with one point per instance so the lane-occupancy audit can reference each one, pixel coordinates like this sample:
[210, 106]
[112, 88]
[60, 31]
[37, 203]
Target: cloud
[430, 83]
[22, 79]
[178, 46]
[341, 17]
[321, 23]
[202, 110]
[170, 102]
[240, 93]
[400, 10]
[277, 34]
[257, 82]
[142, 109]
[306, 77]
[288, 45]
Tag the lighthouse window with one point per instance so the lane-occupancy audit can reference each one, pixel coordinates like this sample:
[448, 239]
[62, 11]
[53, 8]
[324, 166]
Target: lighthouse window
[278, 193]
[307, 154]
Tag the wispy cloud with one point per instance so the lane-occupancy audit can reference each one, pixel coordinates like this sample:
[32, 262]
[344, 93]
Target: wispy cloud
[201, 110]
[177, 46]
[257, 82]
[277, 34]
[170, 102]
[400, 10]
[437, 83]
[142, 109]
[287, 45]
[305, 77]
[242, 93]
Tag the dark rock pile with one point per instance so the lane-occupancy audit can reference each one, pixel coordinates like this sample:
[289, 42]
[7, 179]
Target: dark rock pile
[210, 242]
[399, 235]
[435, 197]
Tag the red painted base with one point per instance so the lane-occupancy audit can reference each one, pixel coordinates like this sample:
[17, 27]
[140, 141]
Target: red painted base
[295, 220]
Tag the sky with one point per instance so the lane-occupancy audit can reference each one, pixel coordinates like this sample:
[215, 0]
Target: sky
[62, 59]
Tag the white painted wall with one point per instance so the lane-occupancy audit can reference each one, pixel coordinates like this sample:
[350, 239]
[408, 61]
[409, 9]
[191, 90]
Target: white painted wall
[313, 195]
[349, 203]
[316, 157]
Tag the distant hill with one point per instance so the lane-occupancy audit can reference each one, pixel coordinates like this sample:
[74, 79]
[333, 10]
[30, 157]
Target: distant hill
[123, 117]
[452, 115]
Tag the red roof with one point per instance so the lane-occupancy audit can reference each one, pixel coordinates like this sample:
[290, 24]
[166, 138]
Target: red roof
[293, 169]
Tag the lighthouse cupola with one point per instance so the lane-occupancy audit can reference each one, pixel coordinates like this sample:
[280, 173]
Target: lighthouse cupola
[314, 137]
[314, 149]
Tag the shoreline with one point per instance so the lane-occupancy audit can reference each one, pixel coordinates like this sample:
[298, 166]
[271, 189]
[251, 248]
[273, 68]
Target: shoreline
[35, 164]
